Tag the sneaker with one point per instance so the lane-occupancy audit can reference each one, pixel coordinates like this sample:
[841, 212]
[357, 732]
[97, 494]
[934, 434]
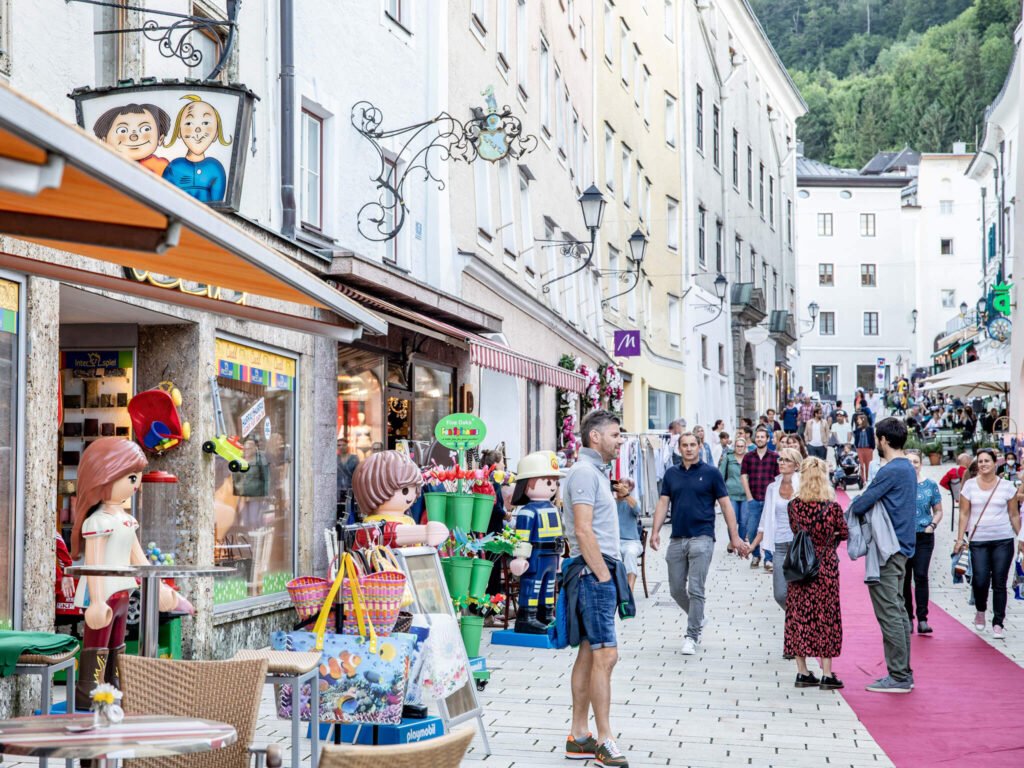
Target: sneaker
[923, 628]
[979, 621]
[689, 646]
[832, 683]
[580, 749]
[608, 756]
[807, 681]
[768, 568]
[888, 685]
[998, 633]
[755, 562]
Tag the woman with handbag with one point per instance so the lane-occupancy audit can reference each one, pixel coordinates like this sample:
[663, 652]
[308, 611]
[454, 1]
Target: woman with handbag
[814, 624]
[990, 509]
[929, 514]
[773, 533]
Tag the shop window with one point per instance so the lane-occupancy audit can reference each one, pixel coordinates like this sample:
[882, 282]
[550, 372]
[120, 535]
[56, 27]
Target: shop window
[9, 356]
[360, 428]
[662, 408]
[433, 397]
[255, 510]
[824, 381]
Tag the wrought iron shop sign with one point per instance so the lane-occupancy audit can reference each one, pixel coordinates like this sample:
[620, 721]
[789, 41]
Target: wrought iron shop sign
[194, 135]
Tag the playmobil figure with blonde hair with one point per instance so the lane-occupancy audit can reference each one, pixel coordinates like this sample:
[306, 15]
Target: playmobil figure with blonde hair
[198, 125]
[539, 522]
[108, 476]
[385, 485]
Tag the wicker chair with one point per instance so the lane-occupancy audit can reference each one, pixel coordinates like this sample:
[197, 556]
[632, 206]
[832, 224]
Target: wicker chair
[227, 691]
[442, 752]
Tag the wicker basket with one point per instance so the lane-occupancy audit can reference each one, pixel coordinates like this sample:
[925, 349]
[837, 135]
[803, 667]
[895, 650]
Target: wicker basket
[382, 598]
[308, 594]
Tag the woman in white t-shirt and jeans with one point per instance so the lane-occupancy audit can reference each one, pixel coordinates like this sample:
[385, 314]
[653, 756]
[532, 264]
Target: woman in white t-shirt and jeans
[990, 511]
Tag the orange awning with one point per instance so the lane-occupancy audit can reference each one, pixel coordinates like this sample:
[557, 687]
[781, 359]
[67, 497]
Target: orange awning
[61, 188]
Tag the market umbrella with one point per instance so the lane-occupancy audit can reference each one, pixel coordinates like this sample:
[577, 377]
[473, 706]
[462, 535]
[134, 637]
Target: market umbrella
[980, 378]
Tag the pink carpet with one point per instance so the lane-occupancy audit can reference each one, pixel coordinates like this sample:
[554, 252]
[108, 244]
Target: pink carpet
[965, 706]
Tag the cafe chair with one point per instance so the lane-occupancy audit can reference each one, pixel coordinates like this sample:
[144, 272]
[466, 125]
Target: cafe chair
[46, 667]
[226, 691]
[443, 752]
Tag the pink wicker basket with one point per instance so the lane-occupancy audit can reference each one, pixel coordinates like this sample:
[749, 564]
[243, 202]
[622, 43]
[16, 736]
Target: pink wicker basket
[308, 594]
[382, 599]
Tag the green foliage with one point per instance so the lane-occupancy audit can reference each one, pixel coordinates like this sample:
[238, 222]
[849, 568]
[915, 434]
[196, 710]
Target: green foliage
[922, 77]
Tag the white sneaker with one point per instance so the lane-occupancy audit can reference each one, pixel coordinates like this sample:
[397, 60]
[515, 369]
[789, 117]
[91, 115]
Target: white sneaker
[979, 621]
[689, 646]
[998, 633]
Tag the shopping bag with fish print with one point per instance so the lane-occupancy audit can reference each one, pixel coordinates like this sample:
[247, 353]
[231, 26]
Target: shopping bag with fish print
[363, 678]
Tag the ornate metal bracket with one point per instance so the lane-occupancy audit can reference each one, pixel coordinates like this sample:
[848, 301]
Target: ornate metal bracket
[491, 136]
[624, 277]
[173, 37]
[576, 250]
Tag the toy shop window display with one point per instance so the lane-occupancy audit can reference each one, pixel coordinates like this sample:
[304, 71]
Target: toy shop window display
[10, 360]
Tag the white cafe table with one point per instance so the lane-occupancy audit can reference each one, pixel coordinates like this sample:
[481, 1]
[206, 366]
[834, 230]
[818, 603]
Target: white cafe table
[136, 736]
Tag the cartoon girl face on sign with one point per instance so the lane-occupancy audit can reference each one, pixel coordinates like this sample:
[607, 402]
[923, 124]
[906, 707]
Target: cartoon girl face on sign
[198, 125]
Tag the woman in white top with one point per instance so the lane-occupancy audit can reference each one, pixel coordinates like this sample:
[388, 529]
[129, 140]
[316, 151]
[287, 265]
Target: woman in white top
[990, 512]
[816, 433]
[774, 533]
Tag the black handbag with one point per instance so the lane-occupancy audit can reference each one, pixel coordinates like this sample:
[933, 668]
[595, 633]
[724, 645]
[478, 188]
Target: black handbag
[801, 564]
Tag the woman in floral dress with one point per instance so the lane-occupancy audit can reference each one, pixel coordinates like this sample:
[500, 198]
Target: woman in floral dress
[813, 620]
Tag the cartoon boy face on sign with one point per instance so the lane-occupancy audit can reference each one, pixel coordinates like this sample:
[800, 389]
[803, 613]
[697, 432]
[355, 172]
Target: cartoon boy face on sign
[135, 131]
[198, 125]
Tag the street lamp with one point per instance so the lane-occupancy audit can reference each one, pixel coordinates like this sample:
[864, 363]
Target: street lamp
[592, 205]
[813, 308]
[720, 285]
[981, 306]
[637, 249]
[963, 309]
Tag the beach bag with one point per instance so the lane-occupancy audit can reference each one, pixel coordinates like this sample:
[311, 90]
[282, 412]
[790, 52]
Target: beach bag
[801, 564]
[363, 678]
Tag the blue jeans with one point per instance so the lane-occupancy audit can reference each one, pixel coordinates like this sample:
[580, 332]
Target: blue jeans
[751, 519]
[597, 608]
[737, 508]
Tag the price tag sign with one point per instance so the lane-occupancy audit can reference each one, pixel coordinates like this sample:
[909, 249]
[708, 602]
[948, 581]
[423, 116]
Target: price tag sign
[460, 431]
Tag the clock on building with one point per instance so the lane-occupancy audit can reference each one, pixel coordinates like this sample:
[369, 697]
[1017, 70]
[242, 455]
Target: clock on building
[999, 328]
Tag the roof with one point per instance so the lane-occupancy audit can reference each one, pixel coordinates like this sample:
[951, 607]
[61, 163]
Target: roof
[805, 166]
[814, 173]
[891, 162]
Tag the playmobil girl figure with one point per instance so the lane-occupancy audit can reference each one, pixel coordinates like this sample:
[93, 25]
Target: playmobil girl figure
[385, 485]
[198, 125]
[109, 474]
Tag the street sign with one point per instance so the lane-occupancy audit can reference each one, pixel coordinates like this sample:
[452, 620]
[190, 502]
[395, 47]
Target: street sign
[460, 431]
[627, 344]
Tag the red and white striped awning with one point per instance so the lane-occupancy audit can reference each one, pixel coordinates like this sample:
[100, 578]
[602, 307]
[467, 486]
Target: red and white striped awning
[489, 355]
[483, 352]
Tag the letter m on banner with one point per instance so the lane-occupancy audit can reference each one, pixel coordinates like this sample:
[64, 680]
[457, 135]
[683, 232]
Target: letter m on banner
[627, 344]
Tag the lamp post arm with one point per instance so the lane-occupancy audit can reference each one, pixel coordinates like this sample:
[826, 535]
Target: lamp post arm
[546, 288]
[636, 282]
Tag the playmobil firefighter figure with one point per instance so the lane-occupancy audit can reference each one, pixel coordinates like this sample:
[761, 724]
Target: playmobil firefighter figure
[109, 474]
[385, 485]
[538, 521]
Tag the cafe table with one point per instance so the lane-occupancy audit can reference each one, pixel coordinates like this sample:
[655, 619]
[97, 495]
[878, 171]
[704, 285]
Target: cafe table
[149, 577]
[137, 736]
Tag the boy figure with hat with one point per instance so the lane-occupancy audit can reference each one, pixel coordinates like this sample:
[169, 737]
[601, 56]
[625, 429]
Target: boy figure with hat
[538, 521]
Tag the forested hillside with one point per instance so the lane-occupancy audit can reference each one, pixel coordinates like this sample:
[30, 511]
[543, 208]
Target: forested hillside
[918, 72]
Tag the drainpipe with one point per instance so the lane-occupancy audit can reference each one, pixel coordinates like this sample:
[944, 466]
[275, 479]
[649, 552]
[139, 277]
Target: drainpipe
[287, 9]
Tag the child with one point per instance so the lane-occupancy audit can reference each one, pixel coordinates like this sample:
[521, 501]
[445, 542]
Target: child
[630, 546]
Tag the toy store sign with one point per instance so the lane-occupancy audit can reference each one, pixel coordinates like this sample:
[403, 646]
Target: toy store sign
[194, 135]
[460, 431]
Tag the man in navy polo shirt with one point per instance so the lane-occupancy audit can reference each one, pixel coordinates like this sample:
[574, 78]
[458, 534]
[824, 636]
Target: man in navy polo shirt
[692, 488]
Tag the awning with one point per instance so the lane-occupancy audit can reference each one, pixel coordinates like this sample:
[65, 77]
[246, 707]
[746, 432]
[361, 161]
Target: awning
[959, 351]
[943, 351]
[61, 188]
[483, 352]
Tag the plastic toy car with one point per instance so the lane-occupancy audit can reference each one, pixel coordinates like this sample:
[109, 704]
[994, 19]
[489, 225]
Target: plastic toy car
[228, 448]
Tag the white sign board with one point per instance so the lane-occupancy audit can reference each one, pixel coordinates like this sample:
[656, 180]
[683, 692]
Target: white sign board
[252, 417]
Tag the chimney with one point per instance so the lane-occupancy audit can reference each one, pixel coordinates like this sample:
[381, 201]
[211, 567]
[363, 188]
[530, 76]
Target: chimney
[959, 147]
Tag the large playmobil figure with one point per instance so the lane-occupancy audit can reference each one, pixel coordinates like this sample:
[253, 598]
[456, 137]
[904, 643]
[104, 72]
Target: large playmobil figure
[385, 485]
[109, 474]
[538, 521]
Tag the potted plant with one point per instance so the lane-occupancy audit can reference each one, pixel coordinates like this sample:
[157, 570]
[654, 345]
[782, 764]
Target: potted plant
[472, 612]
[934, 451]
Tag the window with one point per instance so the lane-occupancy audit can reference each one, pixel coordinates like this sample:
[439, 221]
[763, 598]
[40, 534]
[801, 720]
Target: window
[545, 87]
[702, 256]
[266, 519]
[670, 120]
[721, 359]
[501, 24]
[648, 314]
[107, 51]
[866, 377]
[522, 48]
[775, 289]
[868, 278]
[526, 224]
[827, 324]
[609, 158]
[482, 184]
[716, 136]
[624, 52]
[735, 158]
[644, 207]
[826, 275]
[574, 148]
[771, 202]
[392, 246]
[559, 113]
[870, 323]
[479, 15]
[946, 246]
[672, 223]
[719, 246]
[675, 334]
[946, 207]
[738, 257]
[507, 225]
[753, 264]
[700, 118]
[627, 176]
[581, 33]
[948, 298]
[789, 223]
[613, 267]
[704, 351]
[764, 278]
[432, 399]
[10, 357]
[825, 380]
[670, 19]
[311, 166]
[533, 408]
[867, 225]
[662, 408]
[750, 174]
[645, 96]
[636, 76]
[824, 225]
[609, 33]
[209, 42]
[760, 189]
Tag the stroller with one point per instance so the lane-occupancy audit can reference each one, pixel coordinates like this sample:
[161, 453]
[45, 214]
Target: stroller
[847, 470]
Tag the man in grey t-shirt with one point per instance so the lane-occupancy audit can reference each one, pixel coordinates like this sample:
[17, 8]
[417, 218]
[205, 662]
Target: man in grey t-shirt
[591, 523]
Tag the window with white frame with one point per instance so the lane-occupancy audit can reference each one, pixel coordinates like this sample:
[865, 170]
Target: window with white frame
[397, 11]
[827, 324]
[581, 33]
[825, 225]
[609, 158]
[753, 264]
[670, 19]
[506, 207]
[645, 203]
[826, 274]
[570, 13]
[311, 170]
[609, 33]
[648, 310]
[209, 42]
[526, 225]
[760, 189]
[482, 191]
[735, 159]
[868, 275]
[501, 25]
[948, 298]
[552, 262]
[675, 332]
[641, 191]
[867, 225]
[716, 136]
[750, 174]
[946, 207]
[764, 278]
[721, 359]
[613, 267]
[569, 284]
[586, 173]
[645, 95]
[636, 76]
[789, 223]
[738, 258]
[702, 225]
[522, 48]
[670, 120]
[775, 289]
[672, 223]
[392, 246]
[479, 15]
[870, 323]
[559, 112]
[624, 51]
[627, 176]
[545, 87]
[574, 149]
[703, 351]
[771, 202]
[946, 246]
[719, 246]
[700, 118]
